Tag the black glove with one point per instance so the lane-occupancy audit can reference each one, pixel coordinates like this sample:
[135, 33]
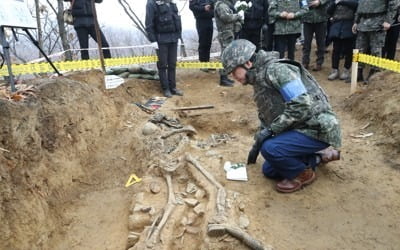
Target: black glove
[252, 157]
[260, 137]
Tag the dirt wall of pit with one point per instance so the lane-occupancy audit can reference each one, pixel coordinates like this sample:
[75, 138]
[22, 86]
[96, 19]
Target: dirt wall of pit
[378, 106]
[57, 143]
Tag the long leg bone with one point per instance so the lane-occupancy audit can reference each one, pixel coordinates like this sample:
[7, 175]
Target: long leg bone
[169, 208]
[221, 229]
[221, 194]
[187, 129]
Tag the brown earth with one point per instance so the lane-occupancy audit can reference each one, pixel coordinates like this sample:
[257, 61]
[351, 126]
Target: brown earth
[66, 155]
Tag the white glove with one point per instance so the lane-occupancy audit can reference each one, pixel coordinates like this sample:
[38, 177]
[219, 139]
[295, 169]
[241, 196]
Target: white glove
[154, 45]
[241, 14]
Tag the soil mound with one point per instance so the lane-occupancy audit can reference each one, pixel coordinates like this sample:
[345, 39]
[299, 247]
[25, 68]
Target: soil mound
[378, 105]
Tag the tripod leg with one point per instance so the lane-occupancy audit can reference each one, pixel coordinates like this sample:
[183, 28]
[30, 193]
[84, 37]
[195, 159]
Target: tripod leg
[41, 50]
[6, 52]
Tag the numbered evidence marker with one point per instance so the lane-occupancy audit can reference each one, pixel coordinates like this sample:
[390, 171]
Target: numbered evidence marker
[132, 180]
[113, 81]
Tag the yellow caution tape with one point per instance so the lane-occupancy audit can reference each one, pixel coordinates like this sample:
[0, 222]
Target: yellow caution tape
[199, 65]
[34, 68]
[377, 62]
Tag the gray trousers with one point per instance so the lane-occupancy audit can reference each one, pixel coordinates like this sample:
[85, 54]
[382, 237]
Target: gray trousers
[167, 56]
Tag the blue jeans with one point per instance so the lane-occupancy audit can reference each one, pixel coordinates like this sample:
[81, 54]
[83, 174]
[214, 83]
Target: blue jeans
[289, 153]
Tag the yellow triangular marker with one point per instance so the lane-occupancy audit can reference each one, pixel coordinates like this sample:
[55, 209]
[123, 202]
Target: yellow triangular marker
[132, 180]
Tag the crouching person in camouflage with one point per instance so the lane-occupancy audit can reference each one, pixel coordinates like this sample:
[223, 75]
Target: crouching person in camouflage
[298, 128]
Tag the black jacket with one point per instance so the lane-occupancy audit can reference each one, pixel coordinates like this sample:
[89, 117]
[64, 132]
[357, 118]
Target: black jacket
[83, 13]
[197, 7]
[163, 23]
[256, 16]
[341, 16]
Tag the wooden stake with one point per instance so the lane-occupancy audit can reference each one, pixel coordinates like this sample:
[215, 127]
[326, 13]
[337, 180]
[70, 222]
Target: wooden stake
[354, 71]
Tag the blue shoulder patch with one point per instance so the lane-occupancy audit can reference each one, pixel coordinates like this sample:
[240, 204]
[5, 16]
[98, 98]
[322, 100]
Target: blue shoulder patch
[292, 89]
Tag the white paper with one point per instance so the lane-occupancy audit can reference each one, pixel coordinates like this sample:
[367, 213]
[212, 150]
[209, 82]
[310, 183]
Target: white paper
[113, 81]
[235, 172]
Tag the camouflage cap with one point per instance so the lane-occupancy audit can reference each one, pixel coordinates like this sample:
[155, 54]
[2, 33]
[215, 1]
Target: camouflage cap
[237, 53]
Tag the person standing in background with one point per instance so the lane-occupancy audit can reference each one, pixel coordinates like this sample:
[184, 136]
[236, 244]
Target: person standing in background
[392, 35]
[267, 30]
[286, 18]
[164, 28]
[341, 14]
[371, 21]
[203, 11]
[229, 23]
[84, 25]
[314, 22]
[254, 19]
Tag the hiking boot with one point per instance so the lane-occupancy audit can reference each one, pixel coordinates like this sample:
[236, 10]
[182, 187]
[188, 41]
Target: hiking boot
[333, 75]
[225, 81]
[289, 186]
[345, 74]
[177, 92]
[167, 93]
[317, 67]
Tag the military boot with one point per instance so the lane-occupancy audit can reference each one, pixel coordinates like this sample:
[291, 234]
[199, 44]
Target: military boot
[225, 81]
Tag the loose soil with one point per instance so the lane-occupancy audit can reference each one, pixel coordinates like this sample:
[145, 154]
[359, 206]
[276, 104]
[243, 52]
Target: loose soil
[67, 153]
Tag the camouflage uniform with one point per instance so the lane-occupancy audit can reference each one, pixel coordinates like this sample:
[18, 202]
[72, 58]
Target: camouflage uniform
[286, 31]
[296, 118]
[369, 17]
[309, 113]
[228, 23]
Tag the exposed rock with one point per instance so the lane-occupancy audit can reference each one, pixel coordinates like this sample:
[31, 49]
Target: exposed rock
[200, 193]
[211, 153]
[241, 206]
[200, 209]
[155, 187]
[138, 221]
[133, 238]
[191, 188]
[191, 202]
[184, 221]
[243, 221]
[141, 208]
[149, 128]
